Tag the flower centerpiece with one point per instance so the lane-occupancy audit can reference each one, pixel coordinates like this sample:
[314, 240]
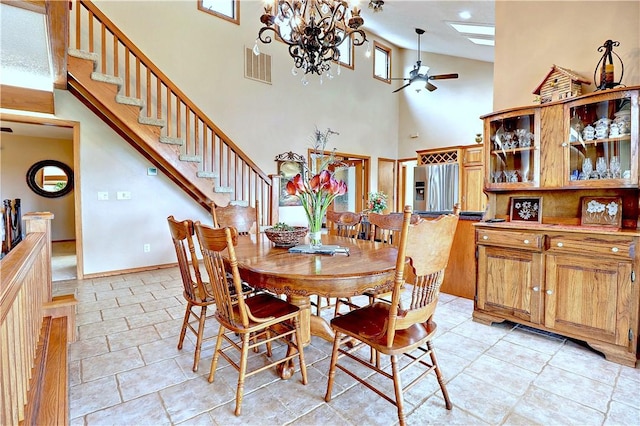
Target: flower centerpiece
[377, 202]
[317, 188]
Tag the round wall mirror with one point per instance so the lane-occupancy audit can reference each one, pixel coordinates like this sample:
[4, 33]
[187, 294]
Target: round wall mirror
[50, 178]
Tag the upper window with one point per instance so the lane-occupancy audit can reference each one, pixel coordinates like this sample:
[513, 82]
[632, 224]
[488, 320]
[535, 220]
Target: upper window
[346, 51]
[225, 9]
[381, 62]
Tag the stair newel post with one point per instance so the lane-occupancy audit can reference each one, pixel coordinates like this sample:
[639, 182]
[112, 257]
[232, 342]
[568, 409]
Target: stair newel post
[41, 222]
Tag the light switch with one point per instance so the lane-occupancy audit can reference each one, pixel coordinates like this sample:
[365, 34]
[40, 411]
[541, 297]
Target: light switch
[103, 196]
[123, 195]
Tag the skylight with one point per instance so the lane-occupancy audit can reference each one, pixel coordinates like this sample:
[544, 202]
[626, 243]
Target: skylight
[476, 29]
[482, 41]
[476, 33]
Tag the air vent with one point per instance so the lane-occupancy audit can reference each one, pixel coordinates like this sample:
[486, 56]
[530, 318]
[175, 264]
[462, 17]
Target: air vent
[257, 67]
[6, 129]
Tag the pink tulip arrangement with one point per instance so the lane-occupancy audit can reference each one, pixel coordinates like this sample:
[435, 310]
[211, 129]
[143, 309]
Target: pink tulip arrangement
[316, 195]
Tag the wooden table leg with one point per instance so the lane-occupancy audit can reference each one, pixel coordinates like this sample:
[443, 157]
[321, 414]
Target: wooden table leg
[304, 303]
[312, 325]
[309, 325]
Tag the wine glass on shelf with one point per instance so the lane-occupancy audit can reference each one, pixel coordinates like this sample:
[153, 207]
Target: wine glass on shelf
[510, 176]
[601, 167]
[615, 167]
[587, 168]
[497, 176]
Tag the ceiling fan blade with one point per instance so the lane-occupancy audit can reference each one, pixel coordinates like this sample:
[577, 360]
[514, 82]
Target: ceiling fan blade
[401, 87]
[430, 87]
[442, 76]
[400, 78]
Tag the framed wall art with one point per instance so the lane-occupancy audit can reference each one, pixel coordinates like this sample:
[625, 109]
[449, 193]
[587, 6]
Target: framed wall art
[601, 211]
[526, 209]
[289, 165]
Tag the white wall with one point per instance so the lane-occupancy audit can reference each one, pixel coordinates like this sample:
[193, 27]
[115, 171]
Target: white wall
[204, 56]
[115, 231]
[532, 36]
[19, 153]
[447, 116]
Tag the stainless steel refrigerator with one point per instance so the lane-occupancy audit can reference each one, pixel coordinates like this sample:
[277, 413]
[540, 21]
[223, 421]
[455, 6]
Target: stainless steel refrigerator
[435, 187]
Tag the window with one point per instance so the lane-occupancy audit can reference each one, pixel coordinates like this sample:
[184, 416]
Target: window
[346, 52]
[225, 9]
[381, 62]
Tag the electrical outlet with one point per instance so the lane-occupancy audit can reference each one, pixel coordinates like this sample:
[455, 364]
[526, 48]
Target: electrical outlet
[123, 195]
[103, 196]
[146, 248]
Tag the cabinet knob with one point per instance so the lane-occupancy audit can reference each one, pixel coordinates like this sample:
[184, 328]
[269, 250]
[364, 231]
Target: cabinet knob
[560, 245]
[565, 144]
[615, 249]
[526, 241]
[549, 292]
[485, 237]
[536, 289]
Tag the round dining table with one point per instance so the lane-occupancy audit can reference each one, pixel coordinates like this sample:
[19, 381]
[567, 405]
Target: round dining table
[368, 266]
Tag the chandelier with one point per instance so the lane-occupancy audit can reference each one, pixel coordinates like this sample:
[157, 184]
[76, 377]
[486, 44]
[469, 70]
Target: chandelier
[313, 30]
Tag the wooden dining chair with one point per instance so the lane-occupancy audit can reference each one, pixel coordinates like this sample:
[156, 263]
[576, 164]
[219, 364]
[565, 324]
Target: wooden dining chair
[342, 224]
[256, 319]
[387, 228]
[197, 292]
[423, 253]
[245, 219]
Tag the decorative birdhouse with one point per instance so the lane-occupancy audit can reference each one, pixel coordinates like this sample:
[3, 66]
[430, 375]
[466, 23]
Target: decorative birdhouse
[560, 83]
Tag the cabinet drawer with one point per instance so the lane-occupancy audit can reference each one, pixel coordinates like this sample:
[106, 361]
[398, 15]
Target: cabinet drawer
[522, 240]
[612, 247]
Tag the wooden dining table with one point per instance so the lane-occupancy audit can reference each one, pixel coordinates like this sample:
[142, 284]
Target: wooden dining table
[368, 266]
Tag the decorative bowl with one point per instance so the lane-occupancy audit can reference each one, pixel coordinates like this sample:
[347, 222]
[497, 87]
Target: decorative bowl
[282, 238]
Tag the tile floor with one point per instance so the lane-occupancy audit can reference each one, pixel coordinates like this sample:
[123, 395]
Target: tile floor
[125, 369]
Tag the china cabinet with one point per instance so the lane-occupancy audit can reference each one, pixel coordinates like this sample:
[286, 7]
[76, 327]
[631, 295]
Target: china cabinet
[556, 274]
[605, 155]
[513, 154]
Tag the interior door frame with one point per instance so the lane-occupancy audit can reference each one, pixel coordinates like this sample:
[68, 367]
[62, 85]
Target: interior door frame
[362, 178]
[404, 182]
[392, 199]
[75, 125]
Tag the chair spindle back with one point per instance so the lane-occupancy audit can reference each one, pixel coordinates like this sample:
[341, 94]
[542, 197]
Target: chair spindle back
[182, 235]
[423, 253]
[244, 219]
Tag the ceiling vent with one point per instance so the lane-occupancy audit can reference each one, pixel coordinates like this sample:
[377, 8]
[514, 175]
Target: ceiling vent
[257, 67]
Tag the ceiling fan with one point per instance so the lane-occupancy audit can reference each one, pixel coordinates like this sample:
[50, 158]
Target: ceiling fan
[416, 75]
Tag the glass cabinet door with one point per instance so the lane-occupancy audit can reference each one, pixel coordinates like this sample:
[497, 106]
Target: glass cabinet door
[513, 154]
[599, 142]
